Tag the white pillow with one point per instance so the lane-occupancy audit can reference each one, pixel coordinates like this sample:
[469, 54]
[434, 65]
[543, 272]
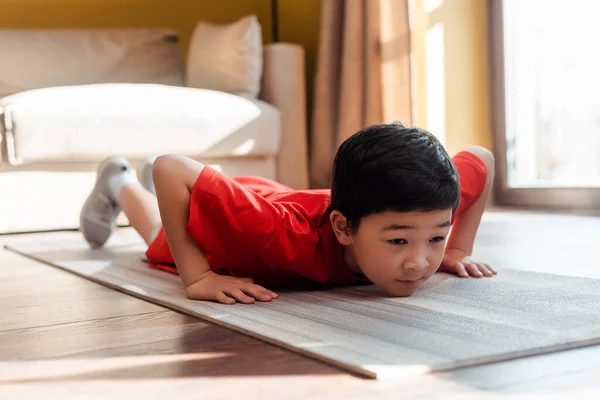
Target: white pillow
[228, 58]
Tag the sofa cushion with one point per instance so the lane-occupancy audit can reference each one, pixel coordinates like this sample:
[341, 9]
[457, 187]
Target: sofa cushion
[227, 58]
[94, 121]
[38, 58]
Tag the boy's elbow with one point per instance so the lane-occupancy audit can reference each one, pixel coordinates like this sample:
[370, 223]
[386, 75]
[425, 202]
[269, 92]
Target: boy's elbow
[485, 155]
[172, 169]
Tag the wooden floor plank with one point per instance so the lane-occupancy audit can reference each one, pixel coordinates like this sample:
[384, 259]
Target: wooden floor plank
[80, 310]
[54, 288]
[167, 345]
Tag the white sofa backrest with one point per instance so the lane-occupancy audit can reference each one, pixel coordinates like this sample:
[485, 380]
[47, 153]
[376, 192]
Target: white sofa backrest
[33, 59]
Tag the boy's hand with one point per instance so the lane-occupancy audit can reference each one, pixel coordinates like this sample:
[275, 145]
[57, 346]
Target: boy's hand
[458, 262]
[228, 290]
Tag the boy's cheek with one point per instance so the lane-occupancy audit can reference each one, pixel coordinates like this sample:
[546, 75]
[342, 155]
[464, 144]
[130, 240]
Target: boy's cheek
[372, 275]
[382, 280]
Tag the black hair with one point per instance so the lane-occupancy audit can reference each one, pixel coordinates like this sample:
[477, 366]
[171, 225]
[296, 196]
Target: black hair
[389, 167]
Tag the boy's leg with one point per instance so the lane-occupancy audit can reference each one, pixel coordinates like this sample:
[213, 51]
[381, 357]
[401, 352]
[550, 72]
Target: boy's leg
[141, 209]
[144, 174]
[116, 183]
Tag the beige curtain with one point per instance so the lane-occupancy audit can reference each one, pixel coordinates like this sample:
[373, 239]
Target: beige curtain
[362, 75]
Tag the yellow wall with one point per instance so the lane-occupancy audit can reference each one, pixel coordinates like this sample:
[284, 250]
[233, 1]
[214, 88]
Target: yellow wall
[182, 15]
[299, 23]
[466, 70]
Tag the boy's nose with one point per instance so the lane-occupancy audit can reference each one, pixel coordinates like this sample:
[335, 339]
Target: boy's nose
[416, 263]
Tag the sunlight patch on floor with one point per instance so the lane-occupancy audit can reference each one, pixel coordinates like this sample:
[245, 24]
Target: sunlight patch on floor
[43, 370]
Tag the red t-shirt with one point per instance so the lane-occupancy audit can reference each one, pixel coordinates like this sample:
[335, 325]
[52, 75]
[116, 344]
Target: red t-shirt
[256, 228]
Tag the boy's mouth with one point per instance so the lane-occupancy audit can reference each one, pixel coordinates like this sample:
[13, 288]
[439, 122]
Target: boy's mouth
[410, 281]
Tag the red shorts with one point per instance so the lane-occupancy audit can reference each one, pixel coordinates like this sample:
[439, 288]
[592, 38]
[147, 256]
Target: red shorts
[251, 226]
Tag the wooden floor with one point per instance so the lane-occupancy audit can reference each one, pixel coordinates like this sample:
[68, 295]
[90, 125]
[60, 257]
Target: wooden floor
[64, 337]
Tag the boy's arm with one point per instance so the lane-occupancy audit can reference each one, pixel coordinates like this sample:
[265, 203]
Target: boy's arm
[462, 237]
[174, 178]
[173, 202]
[465, 227]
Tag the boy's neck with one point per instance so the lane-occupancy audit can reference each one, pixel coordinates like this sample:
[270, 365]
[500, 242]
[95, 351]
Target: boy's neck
[350, 260]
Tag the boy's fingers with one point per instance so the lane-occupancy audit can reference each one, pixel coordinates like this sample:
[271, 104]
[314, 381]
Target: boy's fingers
[259, 295]
[473, 270]
[223, 298]
[258, 292]
[488, 268]
[460, 270]
[270, 292]
[483, 269]
[240, 296]
[247, 280]
[492, 270]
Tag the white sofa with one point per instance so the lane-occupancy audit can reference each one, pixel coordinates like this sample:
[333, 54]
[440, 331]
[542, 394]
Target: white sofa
[69, 98]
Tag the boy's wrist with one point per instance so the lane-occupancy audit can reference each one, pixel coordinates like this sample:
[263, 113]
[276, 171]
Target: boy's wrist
[198, 278]
[192, 289]
[456, 251]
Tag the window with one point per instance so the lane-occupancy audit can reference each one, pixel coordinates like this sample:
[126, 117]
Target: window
[545, 68]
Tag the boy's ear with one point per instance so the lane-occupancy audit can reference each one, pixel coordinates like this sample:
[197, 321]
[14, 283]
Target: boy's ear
[340, 227]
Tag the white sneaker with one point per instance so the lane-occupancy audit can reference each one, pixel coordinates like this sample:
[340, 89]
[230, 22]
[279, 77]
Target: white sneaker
[99, 214]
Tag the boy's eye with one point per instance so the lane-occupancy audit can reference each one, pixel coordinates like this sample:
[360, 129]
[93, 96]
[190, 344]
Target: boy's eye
[438, 239]
[398, 241]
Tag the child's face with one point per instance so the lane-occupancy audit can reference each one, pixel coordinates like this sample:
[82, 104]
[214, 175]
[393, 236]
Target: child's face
[400, 251]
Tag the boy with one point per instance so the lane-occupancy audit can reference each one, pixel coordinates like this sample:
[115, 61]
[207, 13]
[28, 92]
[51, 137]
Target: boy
[395, 195]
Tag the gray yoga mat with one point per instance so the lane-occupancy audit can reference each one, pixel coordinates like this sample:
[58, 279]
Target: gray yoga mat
[449, 323]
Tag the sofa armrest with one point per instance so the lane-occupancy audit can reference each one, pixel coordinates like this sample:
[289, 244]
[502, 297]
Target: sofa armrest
[284, 87]
[2, 130]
